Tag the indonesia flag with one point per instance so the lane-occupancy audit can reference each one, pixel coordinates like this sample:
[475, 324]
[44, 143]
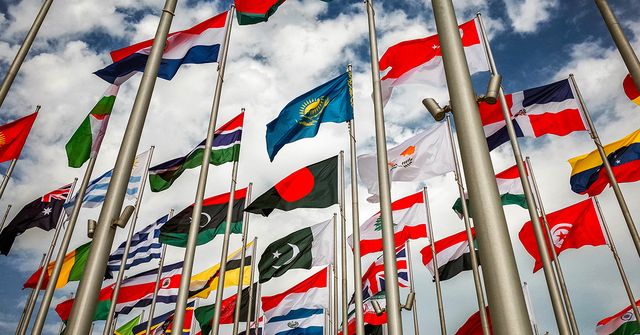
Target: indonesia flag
[452, 255]
[409, 222]
[419, 61]
[549, 109]
[197, 45]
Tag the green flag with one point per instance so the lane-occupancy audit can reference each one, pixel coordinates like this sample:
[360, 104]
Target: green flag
[127, 328]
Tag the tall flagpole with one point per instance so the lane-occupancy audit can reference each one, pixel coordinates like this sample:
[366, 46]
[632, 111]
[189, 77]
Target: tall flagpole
[334, 311]
[343, 244]
[256, 317]
[108, 328]
[467, 224]
[527, 300]
[245, 230]
[436, 275]
[157, 286]
[251, 275]
[392, 292]
[414, 309]
[628, 219]
[552, 286]
[190, 248]
[33, 295]
[616, 257]
[556, 264]
[4, 218]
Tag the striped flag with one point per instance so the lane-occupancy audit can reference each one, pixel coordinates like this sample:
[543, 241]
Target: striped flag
[452, 255]
[373, 280]
[623, 323]
[161, 325]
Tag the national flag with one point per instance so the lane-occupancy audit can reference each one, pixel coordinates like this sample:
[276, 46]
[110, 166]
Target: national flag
[255, 11]
[452, 254]
[373, 281]
[161, 325]
[623, 323]
[571, 228]
[204, 314]
[127, 328]
[302, 249]
[372, 321]
[509, 187]
[212, 222]
[409, 222]
[473, 325]
[588, 175]
[300, 309]
[423, 156]
[72, 269]
[630, 89]
[13, 135]
[313, 186]
[196, 45]
[206, 281]
[42, 213]
[549, 109]
[419, 61]
[225, 148]
[144, 247]
[86, 140]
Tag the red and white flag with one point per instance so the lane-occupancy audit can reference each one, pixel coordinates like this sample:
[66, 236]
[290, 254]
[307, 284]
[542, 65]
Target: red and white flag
[452, 255]
[623, 323]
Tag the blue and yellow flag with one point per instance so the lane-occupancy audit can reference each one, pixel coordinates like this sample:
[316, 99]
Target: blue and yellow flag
[301, 118]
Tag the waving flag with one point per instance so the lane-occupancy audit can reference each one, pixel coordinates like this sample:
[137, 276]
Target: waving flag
[373, 279]
[206, 281]
[13, 135]
[255, 11]
[72, 268]
[631, 90]
[473, 325]
[452, 254]
[204, 314]
[623, 323]
[161, 325]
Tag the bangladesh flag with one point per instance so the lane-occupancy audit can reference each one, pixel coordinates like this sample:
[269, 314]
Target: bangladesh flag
[72, 268]
[214, 214]
[314, 186]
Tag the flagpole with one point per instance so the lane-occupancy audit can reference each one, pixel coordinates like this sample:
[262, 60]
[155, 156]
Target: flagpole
[343, 243]
[556, 264]
[256, 317]
[616, 257]
[108, 329]
[157, 286]
[414, 309]
[334, 312]
[628, 219]
[527, 300]
[4, 218]
[24, 324]
[245, 230]
[251, 275]
[477, 281]
[436, 275]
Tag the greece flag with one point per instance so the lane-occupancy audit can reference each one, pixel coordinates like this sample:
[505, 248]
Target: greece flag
[297, 322]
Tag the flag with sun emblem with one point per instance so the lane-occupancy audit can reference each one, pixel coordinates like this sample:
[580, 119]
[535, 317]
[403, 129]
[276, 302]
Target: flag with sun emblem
[301, 118]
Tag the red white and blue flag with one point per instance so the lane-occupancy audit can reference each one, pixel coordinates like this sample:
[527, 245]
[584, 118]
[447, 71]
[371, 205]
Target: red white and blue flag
[373, 279]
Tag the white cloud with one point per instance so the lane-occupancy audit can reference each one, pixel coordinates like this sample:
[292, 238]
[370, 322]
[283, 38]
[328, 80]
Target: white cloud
[527, 15]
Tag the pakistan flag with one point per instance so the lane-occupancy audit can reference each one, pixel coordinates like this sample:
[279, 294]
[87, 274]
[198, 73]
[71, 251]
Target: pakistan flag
[302, 249]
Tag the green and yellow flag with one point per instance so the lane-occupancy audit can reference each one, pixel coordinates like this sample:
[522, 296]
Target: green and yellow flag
[127, 328]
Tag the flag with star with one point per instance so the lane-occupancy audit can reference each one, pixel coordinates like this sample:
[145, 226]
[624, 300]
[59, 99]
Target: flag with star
[302, 249]
[42, 213]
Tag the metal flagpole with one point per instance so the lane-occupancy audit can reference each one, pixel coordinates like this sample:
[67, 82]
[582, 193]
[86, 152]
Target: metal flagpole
[190, 248]
[392, 292]
[334, 312]
[90, 329]
[343, 244]
[554, 291]
[527, 300]
[157, 286]
[251, 275]
[245, 230]
[616, 257]
[4, 218]
[108, 328]
[628, 219]
[436, 275]
[622, 43]
[467, 224]
[414, 310]
[256, 317]
[331, 330]
[24, 324]
[556, 264]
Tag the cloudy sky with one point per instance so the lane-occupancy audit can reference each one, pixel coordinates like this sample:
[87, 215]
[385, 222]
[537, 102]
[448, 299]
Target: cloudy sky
[304, 44]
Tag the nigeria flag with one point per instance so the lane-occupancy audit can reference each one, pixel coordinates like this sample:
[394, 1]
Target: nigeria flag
[302, 249]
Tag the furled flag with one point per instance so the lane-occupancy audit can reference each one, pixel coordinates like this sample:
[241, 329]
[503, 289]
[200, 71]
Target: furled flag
[549, 109]
[213, 219]
[196, 45]
[13, 135]
[571, 228]
[423, 156]
[302, 249]
[72, 268]
[255, 11]
[509, 187]
[127, 328]
[588, 175]
[630, 89]
[85, 142]
[302, 117]
[144, 247]
[206, 281]
[313, 186]
[373, 279]
[226, 148]
[409, 222]
[452, 254]
[419, 61]
[204, 314]
[473, 325]
[43, 213]
[300, 309]
[623, 323]
[161, 325]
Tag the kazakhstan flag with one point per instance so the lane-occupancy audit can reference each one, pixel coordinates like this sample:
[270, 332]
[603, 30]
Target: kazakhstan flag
[301, 118]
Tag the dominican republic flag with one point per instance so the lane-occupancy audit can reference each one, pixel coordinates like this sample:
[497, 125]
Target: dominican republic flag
[452, 255]
[409, 222]
[623, 323]
[549, 109]
[300, 309]
[373, 279]
[197, 45]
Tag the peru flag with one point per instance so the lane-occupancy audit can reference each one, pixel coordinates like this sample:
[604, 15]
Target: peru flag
[197, 45]
[549, 109]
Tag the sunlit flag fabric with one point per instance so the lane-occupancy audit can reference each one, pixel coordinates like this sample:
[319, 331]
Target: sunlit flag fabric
[13, 135]
[623, 323]
[423, 156]
[206, 281]
[127, 328]
[419, 61]
[72, 268]
[302, 117]
[588, 175]
[631, 90]
[550, 109]
[373, 279]
[409, 222]
[313, 186]
[571, 228]
[302, 249]
[452, 253]
[42, 213]
[204, 314]
[473, 325]
[196, 45]
[226, 148]
[161, 325]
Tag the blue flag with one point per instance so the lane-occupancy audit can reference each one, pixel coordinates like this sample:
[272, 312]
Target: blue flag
[301, 118]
